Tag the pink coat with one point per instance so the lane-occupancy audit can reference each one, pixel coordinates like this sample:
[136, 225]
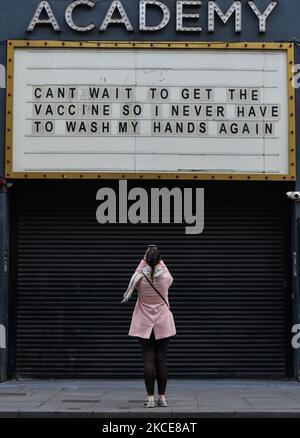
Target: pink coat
[151, 312]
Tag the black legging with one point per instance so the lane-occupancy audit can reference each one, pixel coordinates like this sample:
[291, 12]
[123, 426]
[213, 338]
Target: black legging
[155, 358]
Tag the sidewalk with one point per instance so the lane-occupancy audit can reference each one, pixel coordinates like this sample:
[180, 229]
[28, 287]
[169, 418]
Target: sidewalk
[124, 398]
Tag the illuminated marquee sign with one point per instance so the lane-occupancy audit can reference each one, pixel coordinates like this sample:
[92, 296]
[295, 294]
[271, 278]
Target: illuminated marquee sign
[170, 110]
[187, 15]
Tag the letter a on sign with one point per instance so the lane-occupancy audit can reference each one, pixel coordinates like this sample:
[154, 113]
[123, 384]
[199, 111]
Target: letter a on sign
[116, 6]
[43, 7]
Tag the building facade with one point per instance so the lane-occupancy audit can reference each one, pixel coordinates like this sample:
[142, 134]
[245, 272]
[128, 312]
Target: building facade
[188, 108]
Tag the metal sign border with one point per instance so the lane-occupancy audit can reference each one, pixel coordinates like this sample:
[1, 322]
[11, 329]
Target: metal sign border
[12, 44]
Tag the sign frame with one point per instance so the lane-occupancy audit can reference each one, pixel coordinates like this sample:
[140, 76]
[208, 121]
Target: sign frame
[13, 44]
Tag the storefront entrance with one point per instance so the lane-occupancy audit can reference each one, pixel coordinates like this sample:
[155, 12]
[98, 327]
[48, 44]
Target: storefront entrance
[231, 295]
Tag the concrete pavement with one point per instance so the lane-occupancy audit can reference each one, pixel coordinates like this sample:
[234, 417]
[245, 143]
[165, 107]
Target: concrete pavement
[124, 398]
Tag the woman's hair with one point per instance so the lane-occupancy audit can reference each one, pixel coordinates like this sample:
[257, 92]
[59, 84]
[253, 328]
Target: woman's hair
[152, 258]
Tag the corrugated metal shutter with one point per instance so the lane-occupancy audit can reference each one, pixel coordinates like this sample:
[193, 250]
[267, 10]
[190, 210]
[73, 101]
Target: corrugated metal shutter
[230, 295]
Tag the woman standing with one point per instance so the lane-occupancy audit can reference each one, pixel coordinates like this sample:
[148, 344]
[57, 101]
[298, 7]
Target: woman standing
[152, 320]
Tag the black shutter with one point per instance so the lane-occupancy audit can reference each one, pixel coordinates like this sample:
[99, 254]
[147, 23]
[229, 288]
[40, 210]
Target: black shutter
[230, 296]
